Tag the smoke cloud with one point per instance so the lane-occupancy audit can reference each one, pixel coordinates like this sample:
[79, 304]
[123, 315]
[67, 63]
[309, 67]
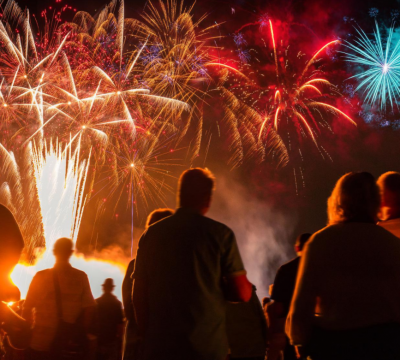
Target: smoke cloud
[264, 234]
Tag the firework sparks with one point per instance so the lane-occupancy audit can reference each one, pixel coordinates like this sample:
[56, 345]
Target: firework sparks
[298, 98]
[380, 79]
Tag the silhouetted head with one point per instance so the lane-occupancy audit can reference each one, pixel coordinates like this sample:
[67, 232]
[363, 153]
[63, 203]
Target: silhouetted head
[301, 241]
[195, 189]
[389, 186]
[158, 215]
[355, 198]
[63, 249]
[108, 286]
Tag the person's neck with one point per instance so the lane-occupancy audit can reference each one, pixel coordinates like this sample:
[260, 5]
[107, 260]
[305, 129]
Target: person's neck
[62, 263]
[392, 213]
[193, 210]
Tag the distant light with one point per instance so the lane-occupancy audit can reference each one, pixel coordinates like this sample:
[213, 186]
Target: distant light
[69, 102]
[132, 165]
[84, 127]
[5, 105]
[385, 68]
[118, 92]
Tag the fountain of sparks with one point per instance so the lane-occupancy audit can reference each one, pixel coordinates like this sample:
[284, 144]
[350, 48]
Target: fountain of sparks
[60, 180]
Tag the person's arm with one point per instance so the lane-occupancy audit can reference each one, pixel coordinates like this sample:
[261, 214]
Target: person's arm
[302, 311]
[237, 286]
[140, 288]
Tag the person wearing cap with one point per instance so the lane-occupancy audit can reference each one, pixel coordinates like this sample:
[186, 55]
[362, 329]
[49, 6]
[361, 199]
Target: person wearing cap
[110, 321]
[60, 288]
[281, 294]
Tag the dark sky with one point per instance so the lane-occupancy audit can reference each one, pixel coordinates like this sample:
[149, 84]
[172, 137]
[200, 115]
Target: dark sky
[374, 149]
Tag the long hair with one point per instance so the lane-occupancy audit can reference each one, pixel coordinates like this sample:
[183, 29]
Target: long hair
[355, 197]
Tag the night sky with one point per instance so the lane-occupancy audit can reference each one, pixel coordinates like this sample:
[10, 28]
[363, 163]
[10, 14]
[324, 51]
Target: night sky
[269, 194]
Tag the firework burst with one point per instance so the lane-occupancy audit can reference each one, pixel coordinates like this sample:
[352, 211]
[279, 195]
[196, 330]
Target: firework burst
[380, 61]
[295, 98]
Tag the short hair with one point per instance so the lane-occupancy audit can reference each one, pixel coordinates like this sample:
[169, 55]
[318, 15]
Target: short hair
[390, 181]
[63, 246]
[195, 187]
[302, 240]
[158, 215]
[355, 197]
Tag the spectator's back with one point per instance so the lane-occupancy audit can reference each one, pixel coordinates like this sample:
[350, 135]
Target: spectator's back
[185, 298]
[180, 266]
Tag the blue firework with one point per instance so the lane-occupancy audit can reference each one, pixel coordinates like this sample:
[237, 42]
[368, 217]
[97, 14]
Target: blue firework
[380, 63]
[239, 39]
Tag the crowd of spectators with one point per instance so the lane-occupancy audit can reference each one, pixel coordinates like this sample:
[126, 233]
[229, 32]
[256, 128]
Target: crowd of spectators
[186, 295]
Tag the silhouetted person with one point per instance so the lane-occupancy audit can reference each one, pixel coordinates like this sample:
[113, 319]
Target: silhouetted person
[282, 293]
[132, 340]
[110, 322]
[346, 303]
[246, 327]
[389, 185]
[180, 266]
[11, 245]
[57, 300]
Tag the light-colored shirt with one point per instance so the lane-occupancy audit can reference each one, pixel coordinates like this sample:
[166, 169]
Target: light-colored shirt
[349, 276]
[392, 225]
[76, 295]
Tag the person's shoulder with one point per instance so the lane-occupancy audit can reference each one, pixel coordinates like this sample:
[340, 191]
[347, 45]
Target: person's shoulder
[288, 268]
[43, 273]
[78, 273]
[4, 210]
[159, 226]
[290, 264]
[326, 233]
[215, 225]
[383, 231]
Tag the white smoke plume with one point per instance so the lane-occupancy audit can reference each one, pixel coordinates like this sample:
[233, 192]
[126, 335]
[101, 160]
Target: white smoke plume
[265, 236]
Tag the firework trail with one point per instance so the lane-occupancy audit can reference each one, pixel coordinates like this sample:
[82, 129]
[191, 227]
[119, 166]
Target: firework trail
[380, 63]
